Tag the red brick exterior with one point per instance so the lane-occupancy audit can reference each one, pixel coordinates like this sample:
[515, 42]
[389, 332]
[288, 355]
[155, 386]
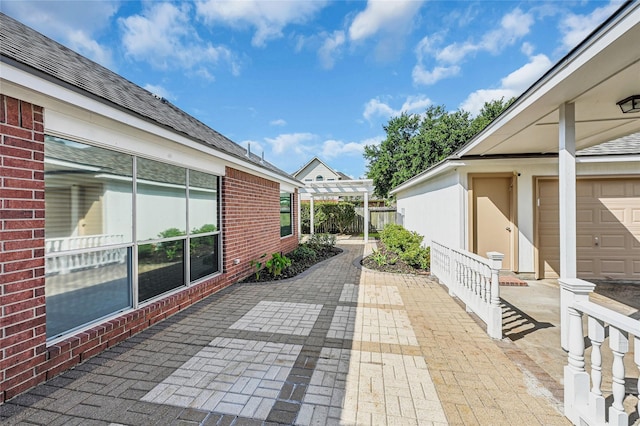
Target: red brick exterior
[251, 227]
[22, 305]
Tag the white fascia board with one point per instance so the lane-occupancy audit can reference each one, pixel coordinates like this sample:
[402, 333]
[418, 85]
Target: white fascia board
[438, 170]
[610, 159]
[28, 87]
[559, 73]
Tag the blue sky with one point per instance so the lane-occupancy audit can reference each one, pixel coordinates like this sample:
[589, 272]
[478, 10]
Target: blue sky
[298, 79]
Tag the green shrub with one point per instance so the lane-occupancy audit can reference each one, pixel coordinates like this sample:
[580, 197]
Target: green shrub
[321, 241]
[398, 239]
[407, 245]
[303, 253]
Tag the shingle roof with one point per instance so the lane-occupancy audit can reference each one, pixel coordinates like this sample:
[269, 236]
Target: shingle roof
[625, 145]
[28, 47]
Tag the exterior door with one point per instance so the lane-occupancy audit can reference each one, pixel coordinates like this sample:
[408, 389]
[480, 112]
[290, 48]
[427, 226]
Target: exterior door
[492, 218]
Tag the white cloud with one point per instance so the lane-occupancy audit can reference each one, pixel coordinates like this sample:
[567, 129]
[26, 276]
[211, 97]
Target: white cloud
[292, 143]
[383, 15]
[513, 26]
[163, 36]
[278, 122]
[576, 28]
[159, 90]
[425, 77]
[511, 85]
[331, 48]
[76, 24]
[333, 148]
[376, 108]
[268, 18]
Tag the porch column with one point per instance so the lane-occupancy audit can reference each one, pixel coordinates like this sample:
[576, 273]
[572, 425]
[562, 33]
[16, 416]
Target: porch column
[567, 205]
[311, 214]
[366, 217]
[567, 187]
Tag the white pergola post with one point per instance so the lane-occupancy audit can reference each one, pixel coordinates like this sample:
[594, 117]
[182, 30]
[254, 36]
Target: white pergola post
[567, 205]
[366, 217]
[311, 226]
[299, 211]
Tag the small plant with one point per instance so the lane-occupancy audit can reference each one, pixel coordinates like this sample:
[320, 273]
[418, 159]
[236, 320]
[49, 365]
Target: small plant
[257, 264]
[277, 264]
[379, 257]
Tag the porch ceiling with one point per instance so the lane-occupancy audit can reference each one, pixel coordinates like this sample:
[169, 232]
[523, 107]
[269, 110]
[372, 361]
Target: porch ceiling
[597, 74]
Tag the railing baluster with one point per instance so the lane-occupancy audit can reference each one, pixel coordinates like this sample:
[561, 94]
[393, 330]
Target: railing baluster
[596, 400]
[619, 344]
[636, 359]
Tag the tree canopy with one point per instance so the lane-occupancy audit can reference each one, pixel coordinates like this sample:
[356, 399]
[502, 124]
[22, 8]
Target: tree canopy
[414, 142]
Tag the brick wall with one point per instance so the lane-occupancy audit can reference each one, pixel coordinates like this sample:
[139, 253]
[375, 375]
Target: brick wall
[251, 226]
[22, 311]
[251, 221]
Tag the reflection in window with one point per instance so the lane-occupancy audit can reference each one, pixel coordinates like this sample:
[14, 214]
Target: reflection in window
[285, 214]
[88, 193]
[203, 256]
[88, 233]
[160, 268]
[90, 246]
[77, 294]
[161, 200]
[203, 202]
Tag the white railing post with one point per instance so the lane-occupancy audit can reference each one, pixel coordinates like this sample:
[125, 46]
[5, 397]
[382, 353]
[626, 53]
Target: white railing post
[576, 380]
[571, 290]
[494, 324]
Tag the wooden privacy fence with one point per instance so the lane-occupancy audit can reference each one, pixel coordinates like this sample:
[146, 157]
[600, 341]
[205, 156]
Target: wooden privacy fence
[379, 217]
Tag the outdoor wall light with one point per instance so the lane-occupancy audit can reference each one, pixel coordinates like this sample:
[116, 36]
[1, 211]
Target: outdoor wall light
[630, 104]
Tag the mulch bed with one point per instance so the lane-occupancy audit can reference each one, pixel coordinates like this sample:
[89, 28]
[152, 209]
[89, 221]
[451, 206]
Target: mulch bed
[399, 267]
[297, 267]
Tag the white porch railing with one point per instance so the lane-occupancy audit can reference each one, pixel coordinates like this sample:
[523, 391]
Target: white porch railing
[57, 261]
[584, 402]
[473, 279]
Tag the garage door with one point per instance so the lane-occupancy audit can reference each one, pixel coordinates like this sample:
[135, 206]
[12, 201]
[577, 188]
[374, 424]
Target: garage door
[608, 228]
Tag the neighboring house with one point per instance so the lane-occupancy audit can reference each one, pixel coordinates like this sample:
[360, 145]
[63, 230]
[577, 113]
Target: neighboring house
[118, 209]
[500, 191]
[317, 170]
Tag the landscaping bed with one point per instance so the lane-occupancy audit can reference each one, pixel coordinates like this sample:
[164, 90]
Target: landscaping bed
[399, 267]
[399, 251]
[319, 248]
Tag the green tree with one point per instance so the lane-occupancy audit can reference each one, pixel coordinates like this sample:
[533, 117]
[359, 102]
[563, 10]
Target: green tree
[415, 142]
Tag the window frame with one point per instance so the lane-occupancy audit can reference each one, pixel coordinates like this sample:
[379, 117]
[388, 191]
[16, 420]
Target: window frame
[290, 212]
[132, 246]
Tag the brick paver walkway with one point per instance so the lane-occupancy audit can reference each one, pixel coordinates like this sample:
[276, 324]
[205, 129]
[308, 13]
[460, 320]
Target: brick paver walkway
[338, 345]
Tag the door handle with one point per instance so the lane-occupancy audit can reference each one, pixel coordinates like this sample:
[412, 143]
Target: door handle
[508, 228]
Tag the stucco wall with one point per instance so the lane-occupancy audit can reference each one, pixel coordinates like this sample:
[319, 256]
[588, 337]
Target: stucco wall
[438, 208]
[435, 209]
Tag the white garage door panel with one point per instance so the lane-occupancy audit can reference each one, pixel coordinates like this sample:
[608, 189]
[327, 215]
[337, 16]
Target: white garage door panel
[608, 228]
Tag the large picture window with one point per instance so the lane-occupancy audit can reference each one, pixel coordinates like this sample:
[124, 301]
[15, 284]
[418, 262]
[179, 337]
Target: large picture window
[94, 245]
[88, 233]
[286, 227]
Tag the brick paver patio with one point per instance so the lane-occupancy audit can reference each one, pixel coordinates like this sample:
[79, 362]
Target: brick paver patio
[337, 345]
